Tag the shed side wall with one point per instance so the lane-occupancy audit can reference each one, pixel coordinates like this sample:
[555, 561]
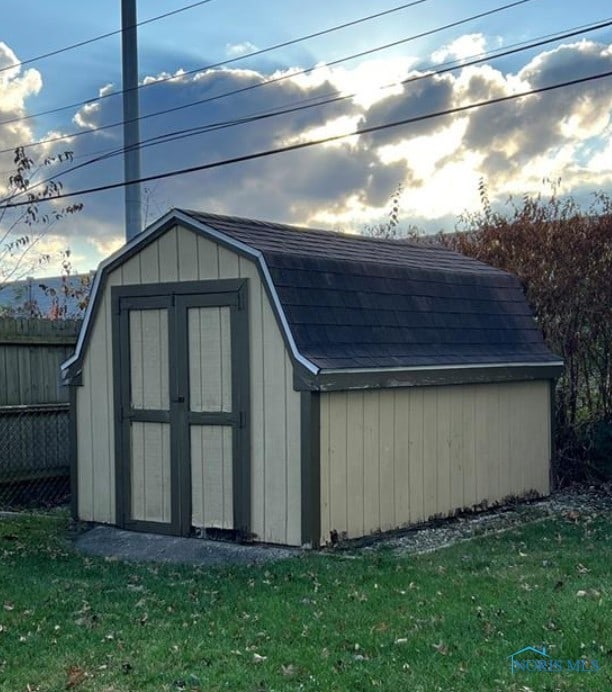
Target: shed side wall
[390, 458]
[181, 255]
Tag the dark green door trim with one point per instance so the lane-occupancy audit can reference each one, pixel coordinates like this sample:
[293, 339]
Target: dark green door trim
[241, 436]
[310, 468]
[177, 298]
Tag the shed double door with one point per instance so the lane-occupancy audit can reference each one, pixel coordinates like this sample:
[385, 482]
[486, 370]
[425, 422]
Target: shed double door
[182, 386]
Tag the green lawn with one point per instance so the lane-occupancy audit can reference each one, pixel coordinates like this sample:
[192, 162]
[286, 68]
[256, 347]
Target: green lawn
[342, 621]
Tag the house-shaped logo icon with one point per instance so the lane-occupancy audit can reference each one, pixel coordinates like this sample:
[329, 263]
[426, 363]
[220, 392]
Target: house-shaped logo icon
[539, 659]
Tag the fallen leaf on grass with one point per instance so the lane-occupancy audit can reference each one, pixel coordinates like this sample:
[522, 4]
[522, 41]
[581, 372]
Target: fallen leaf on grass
[76, 676]
[289, 671]
[9, 606]
[441, 648]
[401, 640]
[380, 627]
[258, 659]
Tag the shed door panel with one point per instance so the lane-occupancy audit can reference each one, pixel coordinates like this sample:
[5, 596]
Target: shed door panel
[210, 412]
[211, 476]
[150, 479]
[150, 472]
[149, 365]
[210, 362]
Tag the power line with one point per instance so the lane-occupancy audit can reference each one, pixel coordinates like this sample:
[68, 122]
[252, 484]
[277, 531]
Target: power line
[275, 47]
[86, 42]
[314, 102]
[304, 104]
[324, 140]
[277, 80]
[223, 62]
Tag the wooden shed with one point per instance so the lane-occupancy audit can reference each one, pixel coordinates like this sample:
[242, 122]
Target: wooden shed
[290, 385]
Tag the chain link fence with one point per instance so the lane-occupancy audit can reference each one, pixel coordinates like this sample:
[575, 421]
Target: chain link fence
[34, 456]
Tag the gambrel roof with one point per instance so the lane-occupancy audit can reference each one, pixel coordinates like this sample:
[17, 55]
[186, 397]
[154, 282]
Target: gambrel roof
[348, 303]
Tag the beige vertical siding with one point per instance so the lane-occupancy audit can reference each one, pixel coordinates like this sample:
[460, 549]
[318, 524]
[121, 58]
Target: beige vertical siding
[95, 428]
[390, 458]
[180, 255]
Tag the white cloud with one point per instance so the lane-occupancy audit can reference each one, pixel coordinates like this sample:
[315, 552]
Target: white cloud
[514, 145]
[462, 48]
[235, 50]
[367, 83]
[601, 161]
[16, 86]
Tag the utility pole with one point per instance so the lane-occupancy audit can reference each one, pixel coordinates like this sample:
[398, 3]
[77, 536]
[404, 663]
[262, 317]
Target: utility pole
[131, 125]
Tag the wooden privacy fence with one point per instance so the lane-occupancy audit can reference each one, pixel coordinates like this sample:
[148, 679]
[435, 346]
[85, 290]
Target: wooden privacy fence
[34, 411]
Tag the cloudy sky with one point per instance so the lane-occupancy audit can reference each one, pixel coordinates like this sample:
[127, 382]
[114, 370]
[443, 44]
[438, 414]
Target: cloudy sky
[211, 68]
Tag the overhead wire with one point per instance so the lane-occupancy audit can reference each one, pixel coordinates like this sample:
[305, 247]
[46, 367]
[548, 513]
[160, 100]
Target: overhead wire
[313, 102]
[222, 63]
[586, 28]
[323, 140]
[94, 39]
[258, 85]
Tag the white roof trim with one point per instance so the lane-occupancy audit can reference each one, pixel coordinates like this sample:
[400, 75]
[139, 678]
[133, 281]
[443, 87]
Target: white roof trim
[189, 221]
[421, 368]
[256, 254]
[93, 296]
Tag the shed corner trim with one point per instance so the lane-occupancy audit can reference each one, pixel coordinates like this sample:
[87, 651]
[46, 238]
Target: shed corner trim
[310, 469]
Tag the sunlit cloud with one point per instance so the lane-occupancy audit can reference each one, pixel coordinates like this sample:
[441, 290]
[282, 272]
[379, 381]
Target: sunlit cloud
[515, 145]
[235, 50]
[461, 48]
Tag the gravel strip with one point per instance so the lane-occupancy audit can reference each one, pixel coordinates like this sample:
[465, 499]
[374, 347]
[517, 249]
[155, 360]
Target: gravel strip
[445, 532]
